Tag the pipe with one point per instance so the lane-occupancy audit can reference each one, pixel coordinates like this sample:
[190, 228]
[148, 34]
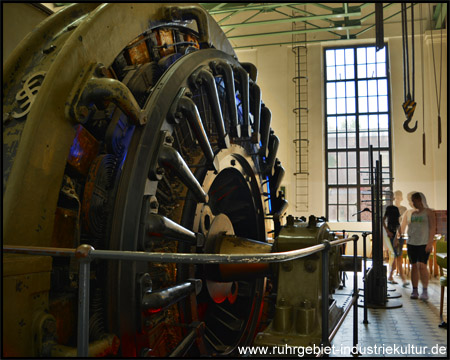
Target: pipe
[325, 291]
[203, 77]
[155, 301]
[256, 111]
[169, 157]
[266, 119]
[187, 106]
[101, 90]
[274, 142]
[198, 14]
[158, 225]
[244, 92]
[224, 68]
[185, 258]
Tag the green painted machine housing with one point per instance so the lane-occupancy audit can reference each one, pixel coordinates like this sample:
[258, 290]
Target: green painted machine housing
[298, 314]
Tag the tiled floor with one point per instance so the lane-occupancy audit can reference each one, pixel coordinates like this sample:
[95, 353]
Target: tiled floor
[411, 330]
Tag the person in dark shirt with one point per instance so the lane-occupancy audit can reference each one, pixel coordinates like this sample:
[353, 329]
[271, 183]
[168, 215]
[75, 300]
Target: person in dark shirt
[391, 223]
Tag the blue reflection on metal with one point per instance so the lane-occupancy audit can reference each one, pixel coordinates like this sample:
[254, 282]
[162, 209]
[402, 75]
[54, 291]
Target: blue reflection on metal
[76, 150]
[268, 192]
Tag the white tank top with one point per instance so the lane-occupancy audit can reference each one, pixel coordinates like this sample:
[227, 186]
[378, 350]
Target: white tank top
[418, 230]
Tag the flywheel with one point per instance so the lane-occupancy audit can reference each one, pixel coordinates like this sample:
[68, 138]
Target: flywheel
[145, 134]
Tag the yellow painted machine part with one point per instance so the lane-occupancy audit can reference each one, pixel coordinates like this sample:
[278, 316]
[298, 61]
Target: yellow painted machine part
[30, 197]
[26, 283]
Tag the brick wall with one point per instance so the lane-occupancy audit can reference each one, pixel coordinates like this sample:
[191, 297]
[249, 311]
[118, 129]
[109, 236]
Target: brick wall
[441, 222]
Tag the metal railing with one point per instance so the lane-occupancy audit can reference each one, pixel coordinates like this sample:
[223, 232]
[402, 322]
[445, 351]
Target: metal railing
[86, 253]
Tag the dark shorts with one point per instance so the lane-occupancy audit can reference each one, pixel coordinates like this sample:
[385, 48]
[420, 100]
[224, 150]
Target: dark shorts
[417, 253]
[398, 251]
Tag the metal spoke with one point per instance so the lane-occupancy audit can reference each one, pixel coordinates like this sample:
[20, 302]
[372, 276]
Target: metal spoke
[204, 78]
[266, 119]
[245, 100]
[171, 158]
[224, 68]
[256, 111]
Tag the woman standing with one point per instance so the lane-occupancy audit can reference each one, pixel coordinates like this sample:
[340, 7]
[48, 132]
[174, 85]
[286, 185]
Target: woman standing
[421, 227]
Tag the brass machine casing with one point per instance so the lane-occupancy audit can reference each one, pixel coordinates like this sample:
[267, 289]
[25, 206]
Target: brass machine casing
[298, 315]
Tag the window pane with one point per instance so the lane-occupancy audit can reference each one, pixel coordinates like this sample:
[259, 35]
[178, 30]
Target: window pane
[349, 72]
[371, 71]
[332, 176]
[351, 123]
[373, 122]
[352, 196]
[340, 89]
[342, 213]
[342, 196]
[351, 140]
[383, 103]
[361, 55]
[342, 159]
[373, 139]
[363, 122]
[330, 57]
[340, 57]
[373, 104]
[351, 158]
[350, 89]
[340, 72]
[332, 213]
[332, 196]
[364, 177]
[352, 210]
[385, 157]
[382, 87]
[352, 176]
[342, 176]
[331, 123]
[381, 55]
[331, 73]
[381, 70]
[363, 140]
[332, 160]
[364, 159]
[342, 143]
[349, 56]
[340, 106]
[341, 123]
[362, 73]
[332, 141]
[351, 105]
[362, 88]
[384, 139]
[362, 104]
[371, 55]
[331, 106]
[331, 90]
[372, 87]
[383, 122]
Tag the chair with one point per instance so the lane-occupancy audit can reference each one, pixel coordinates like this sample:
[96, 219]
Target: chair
[441, 258]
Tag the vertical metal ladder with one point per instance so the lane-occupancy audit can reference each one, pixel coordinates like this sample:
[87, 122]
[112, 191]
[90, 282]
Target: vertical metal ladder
[301, 140]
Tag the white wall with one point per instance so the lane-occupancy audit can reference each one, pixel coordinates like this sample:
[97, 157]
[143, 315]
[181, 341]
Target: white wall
[276, 70]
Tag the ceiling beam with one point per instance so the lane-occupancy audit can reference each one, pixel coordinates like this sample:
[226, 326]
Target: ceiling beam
[290, 20]
[232, 7]
[293, 32]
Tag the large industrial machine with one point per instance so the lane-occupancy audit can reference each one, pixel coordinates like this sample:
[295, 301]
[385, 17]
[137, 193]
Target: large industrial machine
[134, 127]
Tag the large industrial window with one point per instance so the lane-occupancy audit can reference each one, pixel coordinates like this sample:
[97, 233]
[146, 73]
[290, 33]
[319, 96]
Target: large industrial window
[357, 116]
